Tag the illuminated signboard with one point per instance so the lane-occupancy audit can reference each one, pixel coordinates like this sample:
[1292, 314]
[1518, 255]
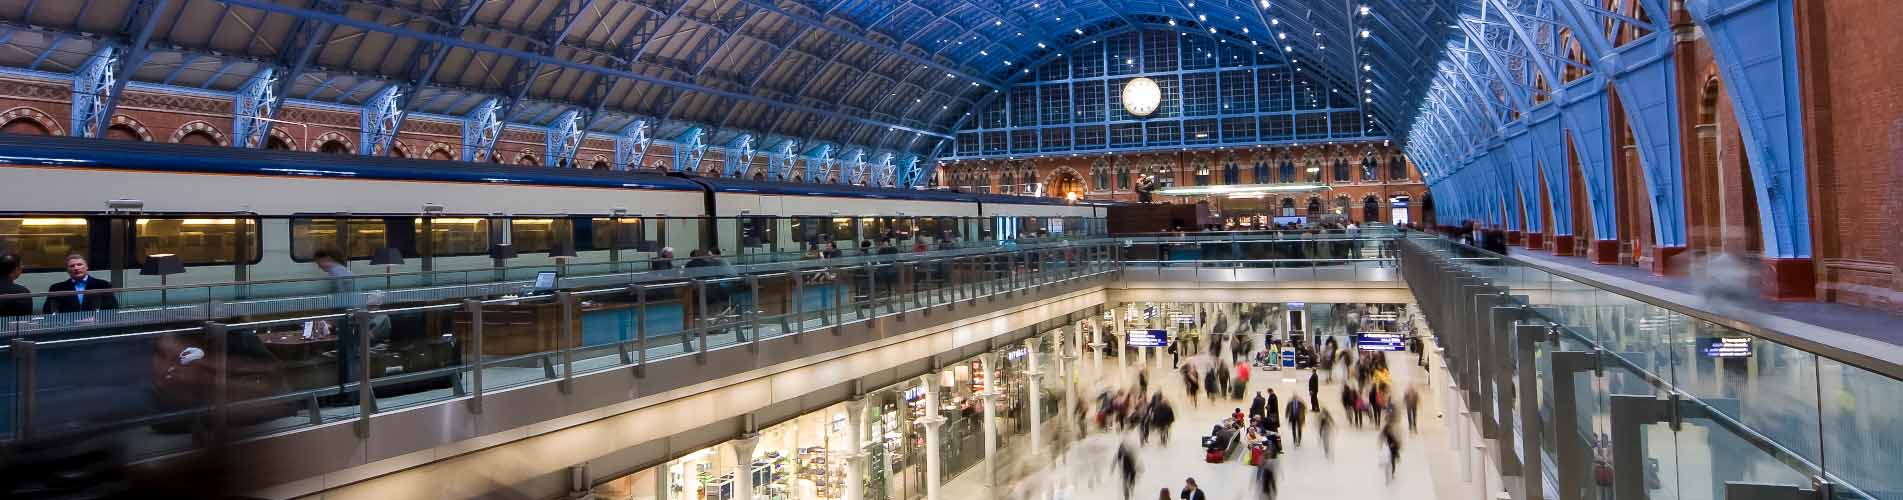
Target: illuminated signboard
[1370, 341]
[1147, 338]
[1725, 347]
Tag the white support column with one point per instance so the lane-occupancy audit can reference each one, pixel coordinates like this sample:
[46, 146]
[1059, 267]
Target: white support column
[932, 421]
[990, 397]
[661, 474]
[1121, 341]
[1036, 399]
[1069, 371]
[743, 466]
[855, 442]
[1096, 348]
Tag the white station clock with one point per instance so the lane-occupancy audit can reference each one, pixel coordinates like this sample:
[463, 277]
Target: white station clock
[1140, 96]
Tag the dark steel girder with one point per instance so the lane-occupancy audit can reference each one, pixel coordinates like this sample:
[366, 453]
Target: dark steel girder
[137, 27]
[269, 6]
[436, 54]
[769, 6]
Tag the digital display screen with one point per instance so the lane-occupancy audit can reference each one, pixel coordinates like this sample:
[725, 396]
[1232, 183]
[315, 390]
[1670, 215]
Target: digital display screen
[1725, 347]
[544, 281]
[1147, 338]
[1369, 341]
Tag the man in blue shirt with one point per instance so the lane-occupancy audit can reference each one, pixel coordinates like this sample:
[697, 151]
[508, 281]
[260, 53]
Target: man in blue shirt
[79, 281]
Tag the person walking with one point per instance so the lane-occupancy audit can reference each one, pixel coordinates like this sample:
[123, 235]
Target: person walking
[1175, 360]
[1265, 477]
[1127, 468]
[1189, 384]
[1413, 401]
[1161, 417]
[1191, 491]
[1314, 389]
[1390, 436]
[1324, 427]
[1297, 413]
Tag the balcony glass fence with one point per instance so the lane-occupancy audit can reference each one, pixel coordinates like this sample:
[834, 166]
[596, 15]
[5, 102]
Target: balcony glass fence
[1629, 397]
[167, 387]
[1620, 396]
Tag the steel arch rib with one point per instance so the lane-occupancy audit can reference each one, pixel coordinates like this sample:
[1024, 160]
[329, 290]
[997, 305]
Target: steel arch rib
[265, 5]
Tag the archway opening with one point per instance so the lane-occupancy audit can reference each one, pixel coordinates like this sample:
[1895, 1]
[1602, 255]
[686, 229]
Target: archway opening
[123, 132]
[600, 165]
[277, 143]
[440, 154]
[198, 138]
[526, 160]
[1370, 209]
[1066, 183]
[335, 147]
[25, 126]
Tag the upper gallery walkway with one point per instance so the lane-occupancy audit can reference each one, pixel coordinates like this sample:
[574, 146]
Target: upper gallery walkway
[483, 369]
[1578, 375]
[1827, 319]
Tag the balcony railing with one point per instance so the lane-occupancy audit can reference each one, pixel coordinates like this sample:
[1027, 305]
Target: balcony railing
[1596, 392]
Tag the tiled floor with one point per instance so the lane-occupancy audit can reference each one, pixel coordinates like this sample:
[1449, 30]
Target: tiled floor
[1356, 468]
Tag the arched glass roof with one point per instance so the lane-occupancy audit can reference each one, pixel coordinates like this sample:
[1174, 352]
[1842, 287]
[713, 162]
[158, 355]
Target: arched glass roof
[884, 74]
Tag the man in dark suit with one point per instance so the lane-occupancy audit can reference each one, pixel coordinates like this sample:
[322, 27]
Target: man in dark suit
[10, 269]
[78, 280]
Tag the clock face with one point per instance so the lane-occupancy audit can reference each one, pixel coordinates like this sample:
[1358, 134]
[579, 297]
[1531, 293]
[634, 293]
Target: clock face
[1140, 96]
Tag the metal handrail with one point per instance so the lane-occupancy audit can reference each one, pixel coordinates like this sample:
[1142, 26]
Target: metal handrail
[1858, 359]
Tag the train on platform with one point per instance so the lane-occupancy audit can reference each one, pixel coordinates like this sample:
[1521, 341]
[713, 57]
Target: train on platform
[235, 215]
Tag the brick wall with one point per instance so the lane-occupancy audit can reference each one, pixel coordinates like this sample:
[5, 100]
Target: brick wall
[1854, 130]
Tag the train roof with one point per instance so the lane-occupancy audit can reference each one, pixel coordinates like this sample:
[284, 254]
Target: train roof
[134, 155]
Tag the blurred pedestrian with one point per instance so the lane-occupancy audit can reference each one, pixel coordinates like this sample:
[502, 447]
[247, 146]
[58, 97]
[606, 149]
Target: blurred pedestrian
[1413, 402]
[1191, 491]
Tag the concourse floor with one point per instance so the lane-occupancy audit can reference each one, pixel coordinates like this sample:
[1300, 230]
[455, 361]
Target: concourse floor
[1355, 469]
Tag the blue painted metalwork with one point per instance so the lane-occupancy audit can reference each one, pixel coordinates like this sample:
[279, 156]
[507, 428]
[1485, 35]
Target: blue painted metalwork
[139, 22]
[481, 128]
[1583, 108]
[1548, 140]
[852, 167]
[915, 173]
[1526, 175]
[91, 87]
[739, 157]
[780, 160]
[252, 109]
[1518, 215]
[882, 172]
[377, 123]
[819, 164]
[563, 139]
[689, 149]
[631, 145]
[1755, 44]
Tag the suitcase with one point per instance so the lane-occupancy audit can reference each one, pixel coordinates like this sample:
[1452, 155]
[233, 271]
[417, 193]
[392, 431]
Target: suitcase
[1257, 453]
[1213, 456]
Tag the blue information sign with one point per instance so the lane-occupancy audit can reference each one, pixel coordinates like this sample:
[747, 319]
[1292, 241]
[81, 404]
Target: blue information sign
[1368, 341]
[1147, 338]
[1725, 347]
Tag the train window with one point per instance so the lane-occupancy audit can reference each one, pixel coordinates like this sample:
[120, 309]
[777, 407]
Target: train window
[842, 229]
[536, 235]
[196, 241]
[624, 233]
[44, 242]
[451, 236]
[311, 234]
